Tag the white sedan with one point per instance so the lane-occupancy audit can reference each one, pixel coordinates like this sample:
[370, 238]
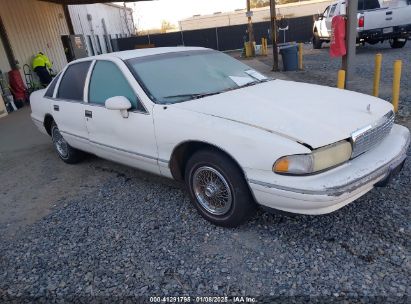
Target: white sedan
[237, 138]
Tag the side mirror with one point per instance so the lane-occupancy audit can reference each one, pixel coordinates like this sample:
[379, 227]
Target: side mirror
[119, 103]
[317, 17]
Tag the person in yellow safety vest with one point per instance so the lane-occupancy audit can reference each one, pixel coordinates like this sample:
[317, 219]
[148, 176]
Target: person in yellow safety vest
[41, 65]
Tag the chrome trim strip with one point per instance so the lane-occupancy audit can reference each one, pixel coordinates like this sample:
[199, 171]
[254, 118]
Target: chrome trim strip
[95, 105]
[340, 190]
[87, 81]
[38, 120]
[118, 149]
[130, 111]
[123, 150]
[75, 135]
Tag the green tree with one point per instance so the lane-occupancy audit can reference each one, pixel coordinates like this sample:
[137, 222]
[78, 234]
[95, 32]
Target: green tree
[166, 25]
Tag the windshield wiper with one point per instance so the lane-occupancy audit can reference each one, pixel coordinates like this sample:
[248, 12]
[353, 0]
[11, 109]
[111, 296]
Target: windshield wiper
[251, 83]
[193, 95]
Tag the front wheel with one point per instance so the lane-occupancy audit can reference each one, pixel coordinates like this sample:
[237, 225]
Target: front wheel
[66, 152]
[218, 189]
[398, 43]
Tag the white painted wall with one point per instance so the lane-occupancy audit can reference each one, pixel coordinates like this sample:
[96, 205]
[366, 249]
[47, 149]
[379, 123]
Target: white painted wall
[118, 22]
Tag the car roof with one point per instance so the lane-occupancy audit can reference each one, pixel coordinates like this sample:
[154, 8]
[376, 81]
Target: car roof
[125, 55]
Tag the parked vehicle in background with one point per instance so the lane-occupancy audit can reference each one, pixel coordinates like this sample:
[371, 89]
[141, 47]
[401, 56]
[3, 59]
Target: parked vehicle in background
[375, 23]
[236, 137]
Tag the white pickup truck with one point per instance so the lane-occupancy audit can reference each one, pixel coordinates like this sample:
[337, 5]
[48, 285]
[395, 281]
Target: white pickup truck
[376, 23]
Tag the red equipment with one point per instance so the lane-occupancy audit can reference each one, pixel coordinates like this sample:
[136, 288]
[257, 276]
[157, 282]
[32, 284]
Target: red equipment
[337, 46]
[17, 87]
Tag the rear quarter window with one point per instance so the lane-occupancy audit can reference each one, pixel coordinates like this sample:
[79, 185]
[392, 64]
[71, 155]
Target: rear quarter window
[52, 86]
[368, 4]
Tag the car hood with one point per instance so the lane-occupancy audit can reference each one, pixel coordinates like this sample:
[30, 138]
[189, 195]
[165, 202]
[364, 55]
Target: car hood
[306, 113]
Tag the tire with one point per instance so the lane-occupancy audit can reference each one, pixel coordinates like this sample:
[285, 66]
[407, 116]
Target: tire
[66, 152]
[236, 202]
[317, 43]
[373, 42]
[396, 44]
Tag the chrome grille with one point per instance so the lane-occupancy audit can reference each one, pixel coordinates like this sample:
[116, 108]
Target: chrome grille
[366, 138]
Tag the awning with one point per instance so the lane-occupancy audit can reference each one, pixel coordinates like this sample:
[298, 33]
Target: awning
[73, 2]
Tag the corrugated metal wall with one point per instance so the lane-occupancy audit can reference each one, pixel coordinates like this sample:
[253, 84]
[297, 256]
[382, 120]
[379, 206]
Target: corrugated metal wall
[34, 26]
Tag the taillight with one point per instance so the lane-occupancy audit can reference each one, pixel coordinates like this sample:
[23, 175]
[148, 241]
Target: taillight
[361, 21]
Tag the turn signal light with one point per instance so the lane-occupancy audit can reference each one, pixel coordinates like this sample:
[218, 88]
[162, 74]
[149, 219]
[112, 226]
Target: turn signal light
[281, 165]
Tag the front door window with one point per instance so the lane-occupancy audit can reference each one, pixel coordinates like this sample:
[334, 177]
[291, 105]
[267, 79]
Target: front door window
[108, 81]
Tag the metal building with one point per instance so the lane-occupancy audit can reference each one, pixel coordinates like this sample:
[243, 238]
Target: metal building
[30, 26]
[218, 19]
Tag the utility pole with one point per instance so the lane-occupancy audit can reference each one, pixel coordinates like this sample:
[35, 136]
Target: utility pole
[250, 27]
[348, 61]
[274, 34]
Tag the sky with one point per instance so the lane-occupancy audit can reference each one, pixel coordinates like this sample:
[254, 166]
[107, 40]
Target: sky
[148, 15]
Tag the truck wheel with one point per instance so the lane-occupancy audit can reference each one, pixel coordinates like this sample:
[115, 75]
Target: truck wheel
[373, 42]
[397, 44]
[218, 189]
[66, 152]
[317, 43]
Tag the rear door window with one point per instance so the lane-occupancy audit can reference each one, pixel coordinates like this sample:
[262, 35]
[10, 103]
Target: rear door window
[325, 14]
[333, 10]
[72, 84]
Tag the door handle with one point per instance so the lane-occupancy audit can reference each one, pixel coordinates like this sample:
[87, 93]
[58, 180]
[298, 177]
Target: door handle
[56, 108]
[88, 114]
[388, 13]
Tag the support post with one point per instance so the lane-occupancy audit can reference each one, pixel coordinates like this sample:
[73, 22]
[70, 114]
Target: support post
[274, 33]
[250, 27]
[396, 84]
[300, 56]
[68, 19]
[351, 41]
[377, 75]
[341, 79]
[7, 46]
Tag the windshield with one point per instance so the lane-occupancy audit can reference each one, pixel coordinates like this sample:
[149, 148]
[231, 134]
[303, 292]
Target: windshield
[181, 76]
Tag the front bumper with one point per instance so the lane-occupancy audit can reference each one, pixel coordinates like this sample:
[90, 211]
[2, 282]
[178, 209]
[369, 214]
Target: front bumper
[328, 191]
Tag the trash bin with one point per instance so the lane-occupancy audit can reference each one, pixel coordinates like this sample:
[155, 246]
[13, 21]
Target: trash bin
[289, 53]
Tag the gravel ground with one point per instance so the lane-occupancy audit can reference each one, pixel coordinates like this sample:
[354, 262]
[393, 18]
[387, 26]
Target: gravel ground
[138, 235]
[133, 234]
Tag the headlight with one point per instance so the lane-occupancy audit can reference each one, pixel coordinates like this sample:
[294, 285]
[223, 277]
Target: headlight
[318, 160]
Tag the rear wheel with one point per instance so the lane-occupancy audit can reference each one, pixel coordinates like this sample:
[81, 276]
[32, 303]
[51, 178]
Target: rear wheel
[317, 43]
[218, 189]
[66, 152]
[396, 43]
